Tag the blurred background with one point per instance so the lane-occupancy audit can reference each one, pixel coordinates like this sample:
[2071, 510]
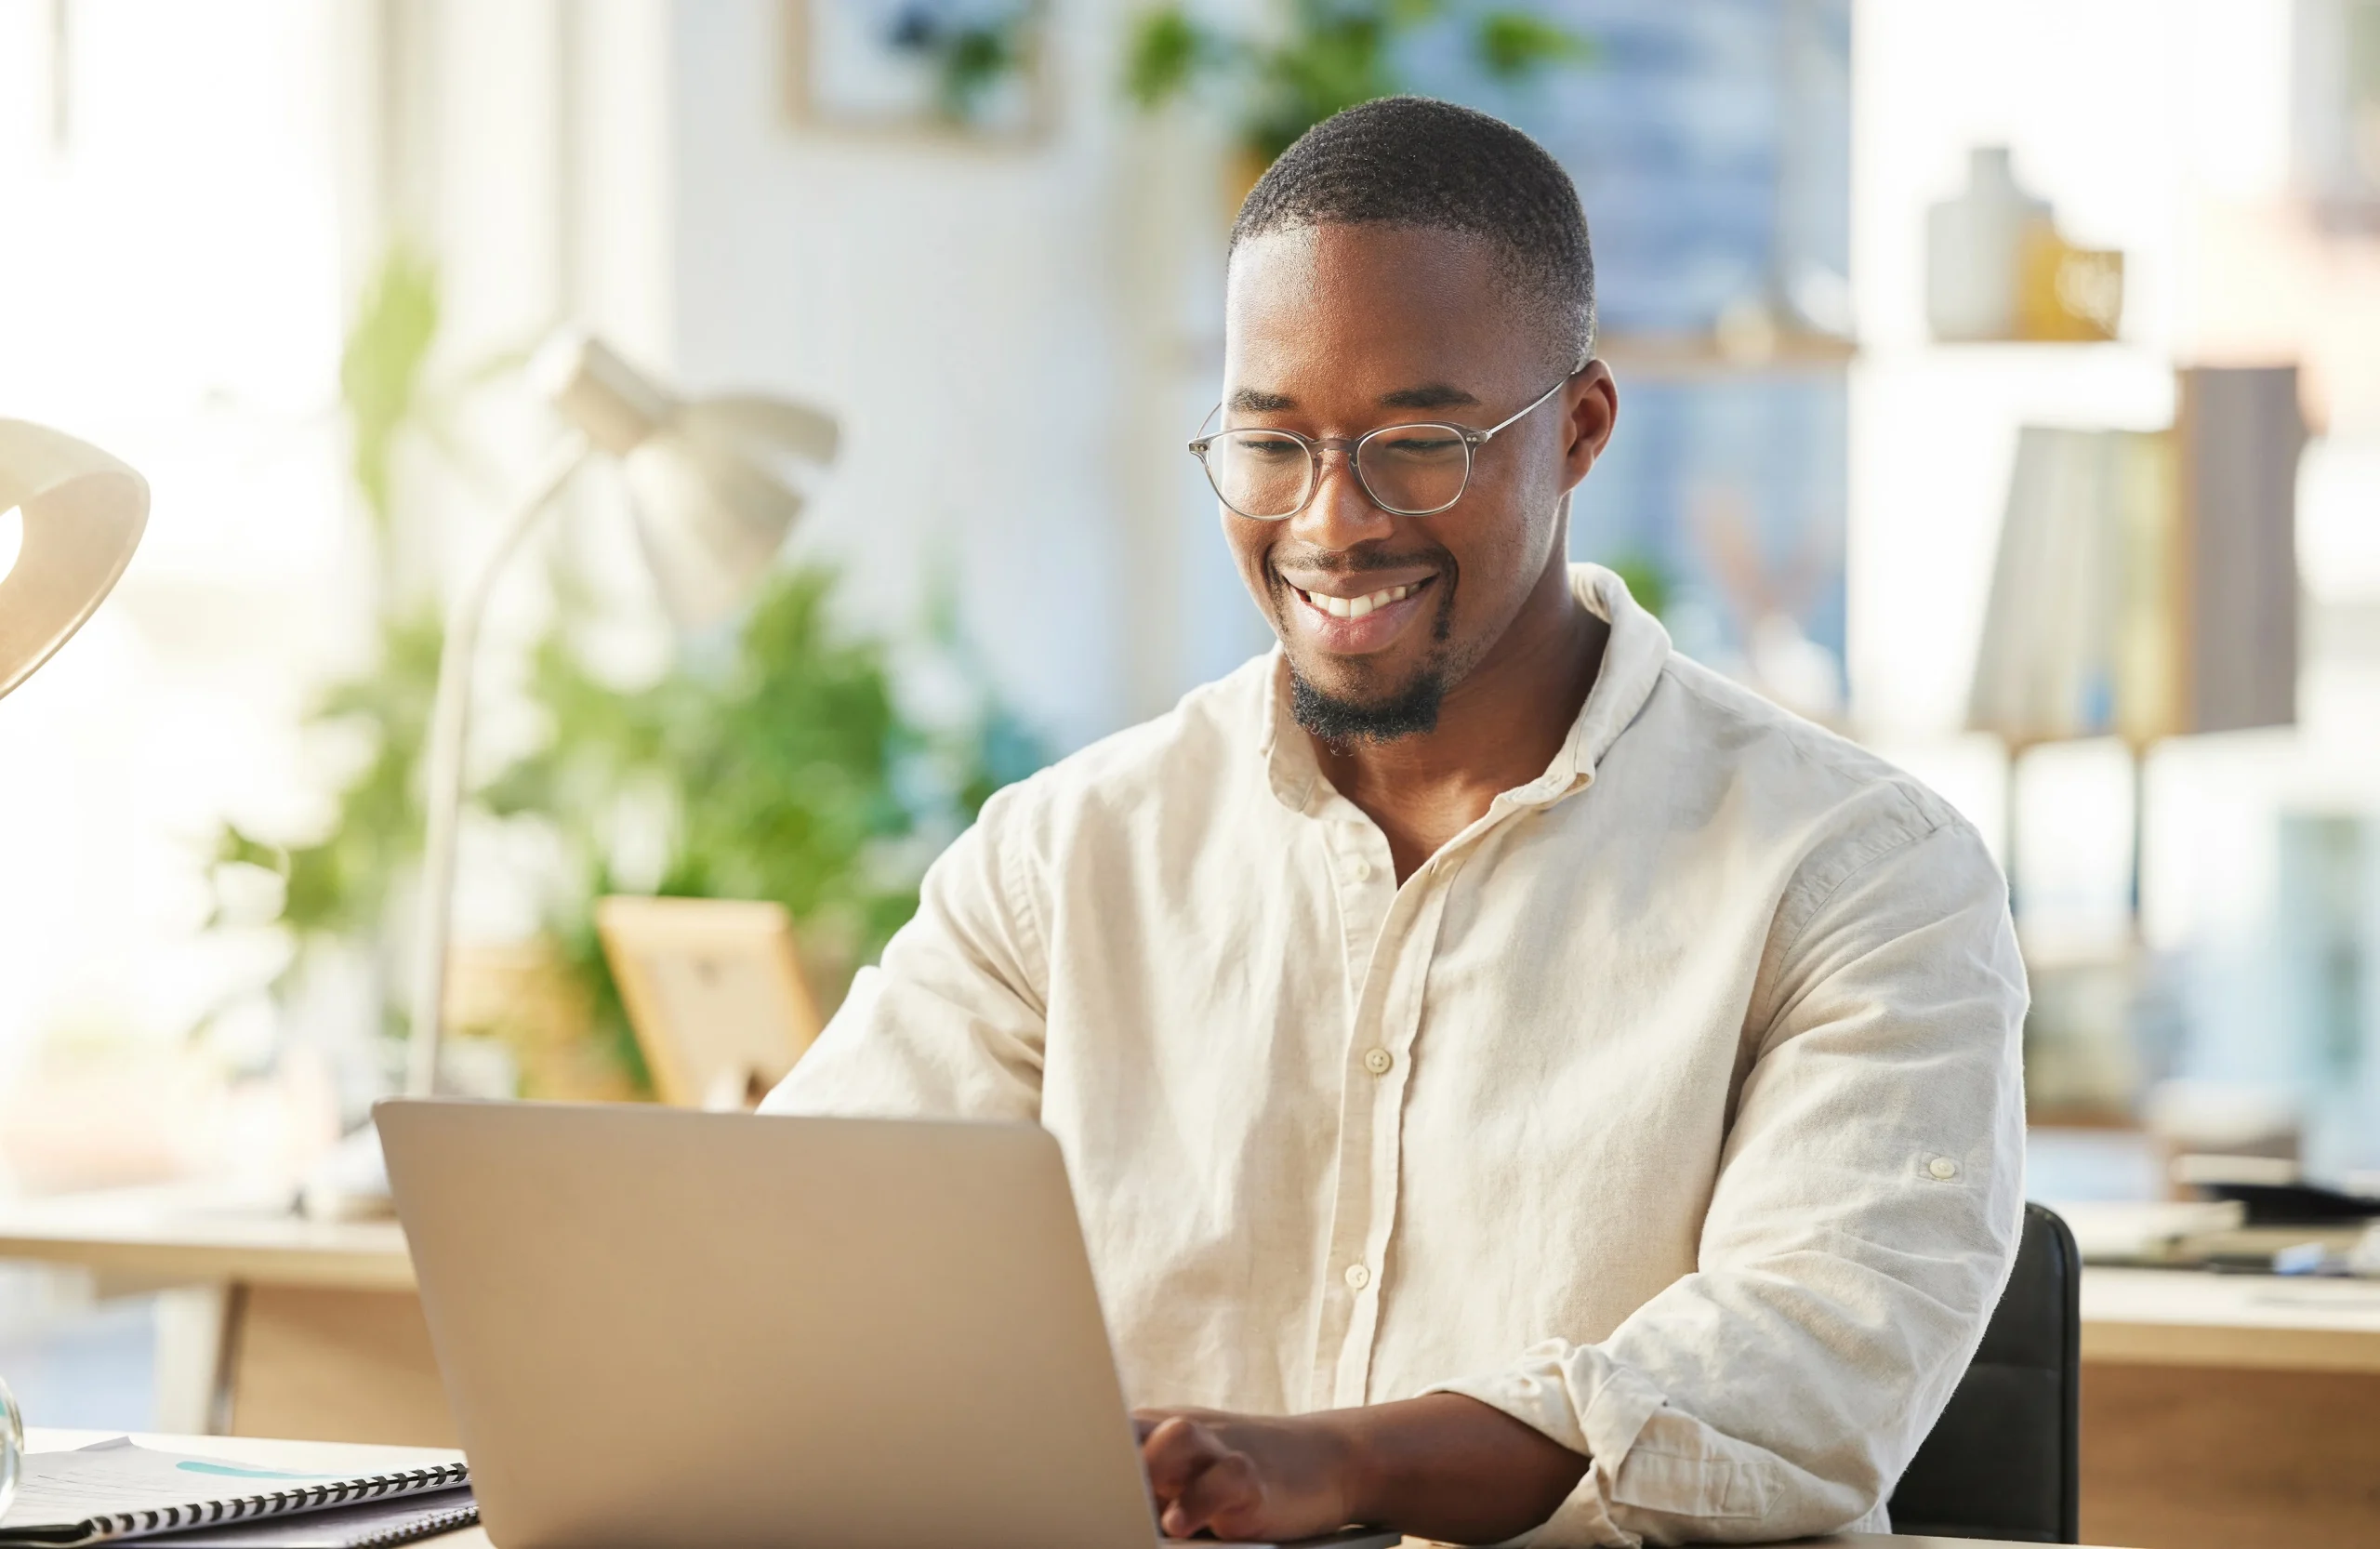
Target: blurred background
[2000, 385]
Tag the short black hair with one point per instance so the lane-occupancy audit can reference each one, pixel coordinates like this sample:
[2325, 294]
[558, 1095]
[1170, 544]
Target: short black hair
[1415, 161]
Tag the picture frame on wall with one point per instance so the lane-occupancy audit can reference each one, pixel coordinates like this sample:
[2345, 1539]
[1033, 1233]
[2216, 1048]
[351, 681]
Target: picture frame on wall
[951, 69]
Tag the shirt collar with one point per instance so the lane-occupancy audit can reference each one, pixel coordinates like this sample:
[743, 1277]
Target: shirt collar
[1632, 659]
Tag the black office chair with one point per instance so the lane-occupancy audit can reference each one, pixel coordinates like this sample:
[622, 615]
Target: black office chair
[2001, 1462]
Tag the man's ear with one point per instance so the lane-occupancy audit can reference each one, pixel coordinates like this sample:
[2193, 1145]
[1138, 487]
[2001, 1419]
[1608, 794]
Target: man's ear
[1590, 409]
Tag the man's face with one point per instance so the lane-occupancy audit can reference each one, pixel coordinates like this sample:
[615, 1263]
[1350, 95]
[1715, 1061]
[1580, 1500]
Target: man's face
[1336, 330]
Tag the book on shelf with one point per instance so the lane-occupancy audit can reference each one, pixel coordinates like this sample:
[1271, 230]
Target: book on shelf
[2146, 581]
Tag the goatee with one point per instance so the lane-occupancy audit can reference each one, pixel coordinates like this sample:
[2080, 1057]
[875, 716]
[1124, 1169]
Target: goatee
[1411, 711]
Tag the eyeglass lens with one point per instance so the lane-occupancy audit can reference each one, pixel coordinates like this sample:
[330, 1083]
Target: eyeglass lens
[1411, 470]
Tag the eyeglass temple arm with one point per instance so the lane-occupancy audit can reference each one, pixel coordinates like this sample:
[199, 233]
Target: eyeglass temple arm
[1523, 414]
[1202, 437]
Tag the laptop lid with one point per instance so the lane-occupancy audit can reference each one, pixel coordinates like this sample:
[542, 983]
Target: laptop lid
[734, 1330]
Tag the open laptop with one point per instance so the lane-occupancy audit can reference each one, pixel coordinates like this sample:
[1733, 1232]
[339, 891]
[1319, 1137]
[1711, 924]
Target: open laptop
[730, 1330]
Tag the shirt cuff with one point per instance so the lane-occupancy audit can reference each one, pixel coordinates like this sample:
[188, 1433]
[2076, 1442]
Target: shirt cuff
[1580, 1397]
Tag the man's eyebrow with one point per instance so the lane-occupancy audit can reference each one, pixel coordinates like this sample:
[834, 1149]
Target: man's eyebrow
[1436, 395]
[1433, 395]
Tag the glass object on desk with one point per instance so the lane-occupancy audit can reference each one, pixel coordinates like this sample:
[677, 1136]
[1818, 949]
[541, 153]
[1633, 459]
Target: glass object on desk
[12, 1448]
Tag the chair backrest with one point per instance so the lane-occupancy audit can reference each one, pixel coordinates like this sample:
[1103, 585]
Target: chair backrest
[2001, 1462]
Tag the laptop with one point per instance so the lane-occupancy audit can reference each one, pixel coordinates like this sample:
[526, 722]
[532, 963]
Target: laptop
[663, 1327]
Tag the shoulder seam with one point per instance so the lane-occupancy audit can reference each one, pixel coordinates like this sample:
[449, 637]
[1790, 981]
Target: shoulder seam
[1933, 817]
[1818, 907]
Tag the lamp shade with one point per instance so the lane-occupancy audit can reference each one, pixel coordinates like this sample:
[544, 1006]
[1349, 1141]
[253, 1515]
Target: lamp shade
[83, 513]
[711, 507]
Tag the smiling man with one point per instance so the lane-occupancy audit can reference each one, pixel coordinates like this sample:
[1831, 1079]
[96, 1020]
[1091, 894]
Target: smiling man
[1513, 1079]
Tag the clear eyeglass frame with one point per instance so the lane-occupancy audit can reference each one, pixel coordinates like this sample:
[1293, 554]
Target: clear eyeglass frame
[1472, 440]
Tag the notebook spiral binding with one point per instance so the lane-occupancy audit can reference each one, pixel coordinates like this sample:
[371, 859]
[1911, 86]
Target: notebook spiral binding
[283, 1503]
[439, 1522]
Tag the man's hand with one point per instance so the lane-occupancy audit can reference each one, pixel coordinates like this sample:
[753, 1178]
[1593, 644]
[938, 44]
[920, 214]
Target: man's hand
[1442, 1466]
[1243, 1476]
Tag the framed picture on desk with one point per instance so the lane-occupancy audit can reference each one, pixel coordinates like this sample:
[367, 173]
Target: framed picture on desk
[715, 991]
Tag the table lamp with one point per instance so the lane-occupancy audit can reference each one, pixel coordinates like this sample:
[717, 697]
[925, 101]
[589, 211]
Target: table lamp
[82, 512]
[711, 513]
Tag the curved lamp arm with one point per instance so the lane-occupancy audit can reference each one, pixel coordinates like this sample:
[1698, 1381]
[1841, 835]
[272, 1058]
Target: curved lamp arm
[450, 727]
[83, 514]
[711, 517]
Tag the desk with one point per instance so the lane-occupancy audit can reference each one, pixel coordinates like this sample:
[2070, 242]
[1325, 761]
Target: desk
[275, 1325]
[2216, 1410]
[2223, 1410]
[332, 1456]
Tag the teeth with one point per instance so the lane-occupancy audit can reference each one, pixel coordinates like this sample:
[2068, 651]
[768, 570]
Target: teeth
[1356, 607]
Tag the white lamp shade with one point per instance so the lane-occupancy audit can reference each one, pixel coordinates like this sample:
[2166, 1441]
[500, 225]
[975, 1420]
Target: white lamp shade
[82, 513]
[710, 519]
[711, 509]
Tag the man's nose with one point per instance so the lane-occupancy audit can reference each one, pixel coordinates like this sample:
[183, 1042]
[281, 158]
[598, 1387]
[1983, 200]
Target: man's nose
[1341, 515]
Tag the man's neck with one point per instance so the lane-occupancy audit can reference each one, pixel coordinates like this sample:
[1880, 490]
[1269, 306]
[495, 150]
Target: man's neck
[1497, 729]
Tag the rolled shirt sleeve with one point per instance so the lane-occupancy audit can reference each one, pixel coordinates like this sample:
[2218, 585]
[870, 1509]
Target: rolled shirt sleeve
[1863, 1222]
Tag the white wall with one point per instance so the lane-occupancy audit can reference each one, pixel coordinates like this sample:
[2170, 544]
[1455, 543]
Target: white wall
[1013, 338]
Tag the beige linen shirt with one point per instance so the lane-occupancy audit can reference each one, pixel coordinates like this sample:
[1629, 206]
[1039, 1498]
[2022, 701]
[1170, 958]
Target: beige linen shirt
[1671, 1109]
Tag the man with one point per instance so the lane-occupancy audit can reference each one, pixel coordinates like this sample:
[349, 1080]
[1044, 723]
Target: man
[1513, 1080]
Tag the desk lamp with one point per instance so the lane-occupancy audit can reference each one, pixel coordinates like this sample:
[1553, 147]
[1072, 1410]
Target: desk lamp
[711, 514]
[82, 512]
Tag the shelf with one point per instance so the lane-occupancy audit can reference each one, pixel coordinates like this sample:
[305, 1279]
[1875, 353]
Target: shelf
[1698, 355]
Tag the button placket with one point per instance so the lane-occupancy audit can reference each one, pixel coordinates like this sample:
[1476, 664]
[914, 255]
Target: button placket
[1405, 979]
[1359, 1228]
[1370, 922]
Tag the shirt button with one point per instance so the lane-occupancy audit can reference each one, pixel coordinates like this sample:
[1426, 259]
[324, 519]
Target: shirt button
[1361, 870]
[1943, 1167]
[1358, 1276]
[1378, 1061]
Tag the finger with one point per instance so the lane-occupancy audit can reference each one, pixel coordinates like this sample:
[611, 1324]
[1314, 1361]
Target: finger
[1225, 1495]
[1146, 1421]
[1174, 1453]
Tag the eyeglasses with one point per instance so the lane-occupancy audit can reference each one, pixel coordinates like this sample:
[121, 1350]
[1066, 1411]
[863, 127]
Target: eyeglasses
[1405, 469]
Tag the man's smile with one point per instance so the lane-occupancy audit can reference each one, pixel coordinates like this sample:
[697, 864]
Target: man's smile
[1344, 621]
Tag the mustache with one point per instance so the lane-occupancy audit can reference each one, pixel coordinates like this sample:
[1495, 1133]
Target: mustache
[1349, 561]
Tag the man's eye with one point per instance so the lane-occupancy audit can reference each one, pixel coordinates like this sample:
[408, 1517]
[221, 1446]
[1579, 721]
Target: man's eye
[1270, 448]
[1419, 447]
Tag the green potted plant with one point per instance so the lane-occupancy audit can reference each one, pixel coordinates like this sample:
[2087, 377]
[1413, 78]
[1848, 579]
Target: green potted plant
[779, 766]
[1322, 56]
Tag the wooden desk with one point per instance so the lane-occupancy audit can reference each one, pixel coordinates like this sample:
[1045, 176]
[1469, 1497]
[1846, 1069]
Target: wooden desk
[284, 1327]
[2216, 1410]
[2244, 1322]
[2223, 1410]
[332, 1456]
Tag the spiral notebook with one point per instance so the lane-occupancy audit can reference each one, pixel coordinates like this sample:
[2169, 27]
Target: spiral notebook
[373, 1524]
[119, 1490]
